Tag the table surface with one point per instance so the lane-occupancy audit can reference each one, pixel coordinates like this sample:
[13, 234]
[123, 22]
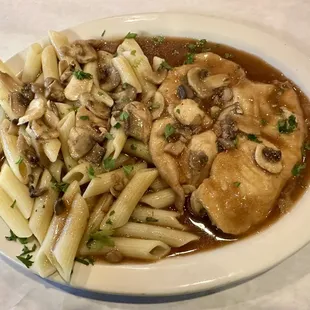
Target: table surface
[22, 22]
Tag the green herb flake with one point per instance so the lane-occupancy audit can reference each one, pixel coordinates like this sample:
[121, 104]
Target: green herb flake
[236, 184]
[109, 163]
[133, 52]
[130, 35]
[117, 125]
[103, 33]
[263, 122]
[253, 138]
[307, 146]
[60, 186]
[26, 250]
[236, 141]
[85, 261]
[128, 169]
[189, 58]
[91, 172]
[133, 147]
[154, 106]
[158, 40]
[151, 219]
[288, 125]
[169, 130]
[178, 111]
[228, 56]
[26, 260]
[296, 171]
[20, 160]
[124, 116]
[81, 75]
[109, 222]
[109, 136]
[102, 237]
[13, 204]
[13, 237]
[165, 65]
[112, 213]
[84, 117]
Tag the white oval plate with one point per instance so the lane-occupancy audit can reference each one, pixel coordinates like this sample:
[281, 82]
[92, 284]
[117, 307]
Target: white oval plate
[204, 271]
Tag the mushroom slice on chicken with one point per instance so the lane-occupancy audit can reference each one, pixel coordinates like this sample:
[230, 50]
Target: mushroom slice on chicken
[79, 50]
[189, 113]
[54, 90]
[109, 77]
[138, 124]
[160, 71]
[35, 110]
[268, 158]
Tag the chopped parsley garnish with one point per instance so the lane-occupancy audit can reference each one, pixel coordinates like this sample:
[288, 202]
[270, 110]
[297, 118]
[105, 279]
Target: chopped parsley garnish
[60, 186]
[133, 147]
[131, 35]
[102, 237]
[154, 106]
[236, 141]
[117, 125]
[169, 130]
[13, 204]
[190, 57]
[81, 75]
[158, 40]
[253, 138]
[199, 44]
[165, 65]
[236, 184]
[13, 237]
[109, 222]
[108, 136]
[112, 213]
[109, 163]
[26, 250]
[178, 111]
[91, 172]
[287, 125]
[84, 117]
[151, 219]
[123, 116]
[296, 171]
[228, 55]
[103, 33]
[133, 52]
[20, 160]
[26, 260]
[128, 169]
[85, 261]
[263, 122]
[307, 146]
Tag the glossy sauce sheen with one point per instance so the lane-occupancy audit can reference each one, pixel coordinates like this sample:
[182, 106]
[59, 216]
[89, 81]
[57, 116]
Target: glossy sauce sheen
[174, 51]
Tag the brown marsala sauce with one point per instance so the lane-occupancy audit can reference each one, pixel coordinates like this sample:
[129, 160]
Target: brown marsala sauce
[174, 51]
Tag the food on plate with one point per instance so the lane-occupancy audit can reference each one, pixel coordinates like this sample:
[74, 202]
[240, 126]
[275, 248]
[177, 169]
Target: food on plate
[144, 147]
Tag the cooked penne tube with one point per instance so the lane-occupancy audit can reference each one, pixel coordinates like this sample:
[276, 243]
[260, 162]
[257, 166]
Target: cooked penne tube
[64, 109]
[35, 175]
[43, 208]
[79, 173]
[172, 237]
[12, 216]
[134, 248]
[16, 190]
[55, 169]
[129, 45]
[123, 207]
[64, 127]
[9, 145]
[115, 145]
[32, 66]
[2, 115]
[126, 72]
[49, 63]
[67, 245]
[159, 184]
[40, 79]
[42, 264]
[51, 149]
[102, 96]
[92, 68]
[77, 87]
[96, 217]
[4, 102]
[103, 182]
[159, 200]
[70, 193]
[138, 149]
[157, 217]
[6, 69]
[58, 40]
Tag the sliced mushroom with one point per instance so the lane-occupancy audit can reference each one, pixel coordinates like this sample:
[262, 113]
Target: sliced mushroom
[189, 113]
[269, 158]
[157, 105]
[160, 72]
[185, 92]
[97, 108]
[95, 155]
[66, 67]
[203, 84]
[37, 89]
[174, 148]
[109, 77]
[79, 50]
[35, 110]
[18, 103]
[42, 131]
[77, 87]
[126, 94]
[139, 122]
[54, 90]
[37, 192]
[12, 85]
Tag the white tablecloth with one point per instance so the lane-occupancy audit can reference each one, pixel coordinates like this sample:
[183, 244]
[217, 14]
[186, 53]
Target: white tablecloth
[25, 21]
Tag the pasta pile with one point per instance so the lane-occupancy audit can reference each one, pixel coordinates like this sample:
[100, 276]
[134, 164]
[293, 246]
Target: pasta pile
[71, 177]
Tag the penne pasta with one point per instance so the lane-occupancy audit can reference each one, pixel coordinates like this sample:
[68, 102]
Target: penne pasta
[43, 208]
[9, 145]
[49, 63]
[115, 145]
[5, 69]
[159, 184]
[35, 175]
[157, 217]
[64, 127]
[129, 45]
[42, 264]
[123, 207]
[103, 182]
[16, 190]
[79, 173]
[56, 169]
[58, 40]
[40, 79]
[51, 149]
[138, 149]
[92, 68]
[172, 237]
[33, 65]
[12, 216]
[70, 193]
[67, 245]
[64, 109]
[76, 87]
[102, 96]
[160, 199]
